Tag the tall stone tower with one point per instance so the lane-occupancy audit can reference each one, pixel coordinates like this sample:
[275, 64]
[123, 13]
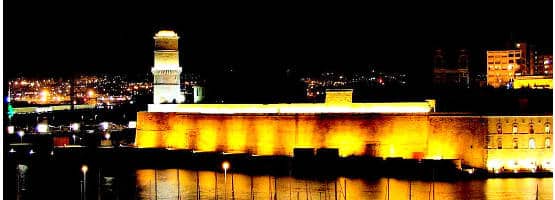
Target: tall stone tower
[166, 68]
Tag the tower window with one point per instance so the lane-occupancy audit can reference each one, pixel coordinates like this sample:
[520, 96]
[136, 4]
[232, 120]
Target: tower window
[515, 143]
[499, 143]
[547, 142]
[547, 128]
[515, 128]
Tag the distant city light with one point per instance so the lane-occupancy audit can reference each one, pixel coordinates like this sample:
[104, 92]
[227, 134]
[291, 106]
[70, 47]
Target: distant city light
[75, 126]
[42, 128]
[132, 124]
[44, 95]
[104, 125]
[11, 129]
[90, 93]
[107, 136]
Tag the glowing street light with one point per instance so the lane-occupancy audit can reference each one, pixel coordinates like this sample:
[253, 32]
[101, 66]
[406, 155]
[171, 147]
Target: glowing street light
[75, 127]
[107, 136]
[225, 166]
[73, 138]
[84, 169]
[21, 133]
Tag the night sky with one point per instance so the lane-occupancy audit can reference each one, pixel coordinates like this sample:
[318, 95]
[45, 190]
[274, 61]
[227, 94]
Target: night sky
[400, 36]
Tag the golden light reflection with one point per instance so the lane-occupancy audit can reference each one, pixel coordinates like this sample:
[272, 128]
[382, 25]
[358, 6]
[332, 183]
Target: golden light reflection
[187, 184]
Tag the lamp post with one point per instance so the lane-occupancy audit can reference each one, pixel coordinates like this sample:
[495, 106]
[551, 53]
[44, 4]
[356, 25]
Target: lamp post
[21, 133]
[73, 138]
[225, 166]
[84, 169]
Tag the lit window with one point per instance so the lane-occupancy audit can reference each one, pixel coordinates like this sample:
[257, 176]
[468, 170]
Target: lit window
[515, 143]
[531, 143]
[515, 128]
[499, 143]
[547, 128]
[499, 130]
[548, 142]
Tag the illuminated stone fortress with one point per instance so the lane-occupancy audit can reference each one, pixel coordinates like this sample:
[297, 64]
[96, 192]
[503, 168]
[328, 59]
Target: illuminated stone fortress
[166, 68]
[408, 130]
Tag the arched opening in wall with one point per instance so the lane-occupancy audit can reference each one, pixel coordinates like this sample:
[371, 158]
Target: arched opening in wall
[499, 129]
[547, 142]
[515, 143]
[531, 131]
[515, 128]
[531, 143]
[547, 128]
[499, 143]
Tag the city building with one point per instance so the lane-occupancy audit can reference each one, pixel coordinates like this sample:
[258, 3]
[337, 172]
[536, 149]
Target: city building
[521, 67]
[503, 66]
[166, 70]
[519, 143]
[408, 130]
[544, 65]
[456, 76]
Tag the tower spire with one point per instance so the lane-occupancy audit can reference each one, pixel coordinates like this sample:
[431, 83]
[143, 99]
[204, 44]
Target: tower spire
[166, 70]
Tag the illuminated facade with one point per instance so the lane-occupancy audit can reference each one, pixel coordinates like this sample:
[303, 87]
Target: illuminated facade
[533, 82]
[433, 136]
[522, 67]
[166, 68]
[519, 143]
[410, 130]
[503, 66]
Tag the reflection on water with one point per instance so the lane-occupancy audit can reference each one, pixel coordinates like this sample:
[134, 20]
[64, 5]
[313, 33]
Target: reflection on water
[188, 184]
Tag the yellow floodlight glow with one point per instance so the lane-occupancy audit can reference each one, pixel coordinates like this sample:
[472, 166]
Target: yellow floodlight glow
[315, 108]
[494, 164]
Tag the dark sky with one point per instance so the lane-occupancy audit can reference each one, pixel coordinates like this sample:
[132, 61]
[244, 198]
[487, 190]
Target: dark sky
[398, 36]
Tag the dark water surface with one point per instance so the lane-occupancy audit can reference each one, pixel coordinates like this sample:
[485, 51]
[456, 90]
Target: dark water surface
[66, 183]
